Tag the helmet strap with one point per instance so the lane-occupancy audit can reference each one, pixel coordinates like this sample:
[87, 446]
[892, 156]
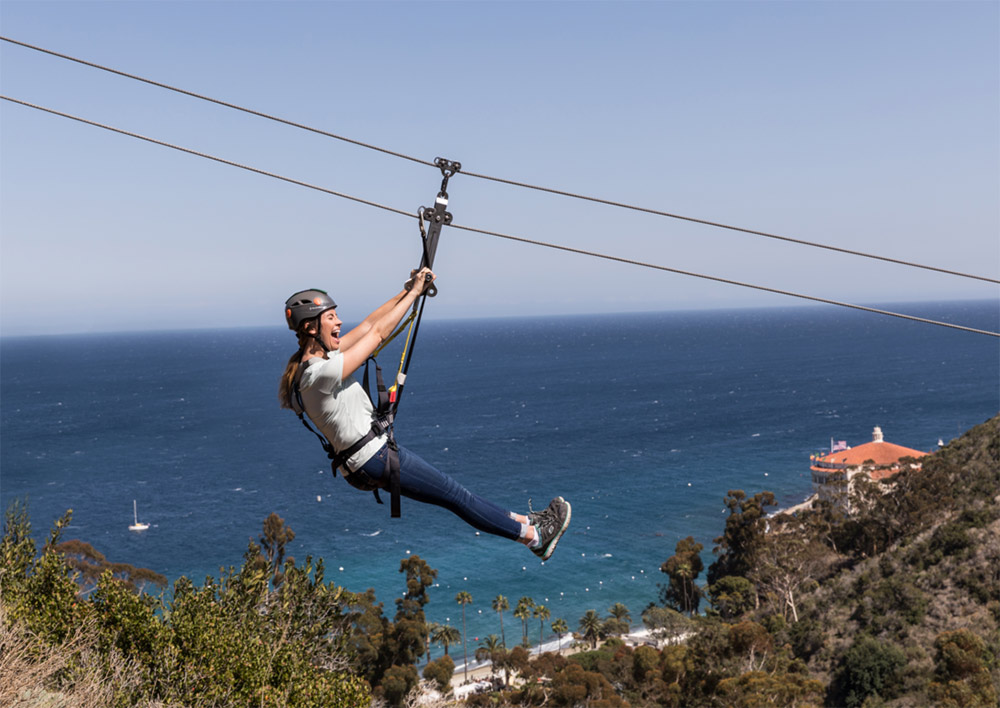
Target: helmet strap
[318, 336]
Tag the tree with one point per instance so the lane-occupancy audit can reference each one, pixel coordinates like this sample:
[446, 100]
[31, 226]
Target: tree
[962, 675]
[523, 612]
[751, 641]
[369, 634]
[276, 536]
[591, 627]
[408, 637]
[500, 605]
[560, 628]
[575, 686]
[445, 635]
[17, 549]
[40, 591]
[90, 564]
[760, 689]
[663, 622]
[432, 628]
[732, 596]
[683, 568]
[542, 613]
[738, 546]
[463, 598]
[492, 650]
[440, 672]
[868, 668]
[620, 612]
[398, 682]
[787, 559]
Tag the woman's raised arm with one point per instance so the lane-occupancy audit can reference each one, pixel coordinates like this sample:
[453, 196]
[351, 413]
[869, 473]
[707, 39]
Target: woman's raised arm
[358, 344]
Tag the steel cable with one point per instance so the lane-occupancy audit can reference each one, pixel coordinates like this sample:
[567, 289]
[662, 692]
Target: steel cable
[501, 180]
[741, 229]
[643, 264]
[485, 232]
[207, 156]
[216, 101]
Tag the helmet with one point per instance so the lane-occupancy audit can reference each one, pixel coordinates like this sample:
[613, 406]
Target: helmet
[305, 305]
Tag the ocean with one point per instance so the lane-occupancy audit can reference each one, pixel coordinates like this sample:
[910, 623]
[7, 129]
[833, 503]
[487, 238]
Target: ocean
[642, 421]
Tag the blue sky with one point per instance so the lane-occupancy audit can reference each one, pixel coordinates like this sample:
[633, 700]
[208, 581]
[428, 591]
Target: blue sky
[870, 126]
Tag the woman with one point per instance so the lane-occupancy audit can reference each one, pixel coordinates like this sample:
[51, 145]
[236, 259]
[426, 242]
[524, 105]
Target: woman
[318, 382]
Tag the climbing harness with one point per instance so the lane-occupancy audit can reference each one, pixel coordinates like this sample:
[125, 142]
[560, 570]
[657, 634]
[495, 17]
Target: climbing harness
[388, 399]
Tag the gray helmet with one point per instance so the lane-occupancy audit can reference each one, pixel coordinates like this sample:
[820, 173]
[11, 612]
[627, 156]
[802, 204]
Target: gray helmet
[305, 305]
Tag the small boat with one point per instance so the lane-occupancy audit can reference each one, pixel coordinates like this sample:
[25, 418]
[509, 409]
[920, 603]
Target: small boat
[135, 516]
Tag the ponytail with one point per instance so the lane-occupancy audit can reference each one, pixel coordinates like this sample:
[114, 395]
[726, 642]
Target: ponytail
[286, 388]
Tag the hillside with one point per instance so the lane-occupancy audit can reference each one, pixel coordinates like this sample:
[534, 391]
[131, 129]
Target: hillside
[897, 605]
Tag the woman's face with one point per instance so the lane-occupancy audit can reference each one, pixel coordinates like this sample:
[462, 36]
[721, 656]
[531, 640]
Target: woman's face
[329, 329]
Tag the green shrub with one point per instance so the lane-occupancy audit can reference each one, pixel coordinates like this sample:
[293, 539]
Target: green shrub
[397, 683]
[962, 676]
[440, 672]
[236, 641]
[949, 539]
[732, 596]
[807, 637]
[870, 668]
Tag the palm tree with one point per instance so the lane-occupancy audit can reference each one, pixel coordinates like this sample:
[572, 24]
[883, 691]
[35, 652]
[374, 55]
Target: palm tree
[523, 613]
[542, 613]
[685, 574]
[491, 649]
[445, 635]
[431, 629]
[621, 613]
[463, 598]
[499, 605]
[590, 627]
[560, 628]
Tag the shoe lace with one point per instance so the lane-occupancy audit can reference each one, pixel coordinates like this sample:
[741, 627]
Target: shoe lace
[546, 517]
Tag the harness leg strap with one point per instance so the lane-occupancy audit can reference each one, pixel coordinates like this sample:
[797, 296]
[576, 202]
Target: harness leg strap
[392, 475]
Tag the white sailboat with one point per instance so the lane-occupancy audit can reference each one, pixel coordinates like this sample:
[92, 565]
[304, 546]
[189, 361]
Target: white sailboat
[135, 516]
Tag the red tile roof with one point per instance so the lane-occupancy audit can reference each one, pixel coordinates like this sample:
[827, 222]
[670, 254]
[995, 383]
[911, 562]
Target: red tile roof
[881, 453]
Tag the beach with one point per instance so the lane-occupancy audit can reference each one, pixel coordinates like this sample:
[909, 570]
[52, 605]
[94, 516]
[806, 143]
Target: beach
[480, 672]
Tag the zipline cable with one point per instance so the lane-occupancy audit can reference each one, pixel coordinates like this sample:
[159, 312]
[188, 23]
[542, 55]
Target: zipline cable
[730, 227]
[569, 249]
[643, 264]
[202, 97]
[206, 156]
[501, 180]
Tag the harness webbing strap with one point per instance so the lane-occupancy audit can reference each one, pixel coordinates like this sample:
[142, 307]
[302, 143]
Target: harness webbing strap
[385, 416]
[381, 425]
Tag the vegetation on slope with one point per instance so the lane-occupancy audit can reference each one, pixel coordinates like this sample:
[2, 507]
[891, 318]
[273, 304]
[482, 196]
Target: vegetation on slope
[895, 605]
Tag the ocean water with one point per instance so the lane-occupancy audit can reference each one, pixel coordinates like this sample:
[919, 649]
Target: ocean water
[643, 422]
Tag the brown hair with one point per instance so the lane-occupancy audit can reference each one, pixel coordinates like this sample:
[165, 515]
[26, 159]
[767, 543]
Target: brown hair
[286, 388]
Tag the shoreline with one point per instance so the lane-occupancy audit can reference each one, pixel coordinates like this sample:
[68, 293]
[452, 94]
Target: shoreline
[481, 671]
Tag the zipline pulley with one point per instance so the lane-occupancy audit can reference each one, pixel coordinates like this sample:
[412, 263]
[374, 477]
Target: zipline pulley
[448, 169]
[437, 217]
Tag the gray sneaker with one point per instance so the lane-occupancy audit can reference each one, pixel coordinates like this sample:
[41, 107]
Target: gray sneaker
[533, 515]
[550, 524]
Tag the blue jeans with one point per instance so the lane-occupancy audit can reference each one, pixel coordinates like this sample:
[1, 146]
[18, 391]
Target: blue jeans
[420, 481]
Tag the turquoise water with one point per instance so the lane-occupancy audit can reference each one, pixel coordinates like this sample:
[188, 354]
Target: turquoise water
[643, 422]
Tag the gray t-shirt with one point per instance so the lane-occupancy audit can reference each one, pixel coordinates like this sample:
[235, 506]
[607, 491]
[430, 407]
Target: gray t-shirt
[339, 407]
